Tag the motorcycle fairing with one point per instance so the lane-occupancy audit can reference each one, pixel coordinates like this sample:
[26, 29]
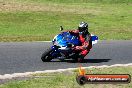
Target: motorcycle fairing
[65, 38]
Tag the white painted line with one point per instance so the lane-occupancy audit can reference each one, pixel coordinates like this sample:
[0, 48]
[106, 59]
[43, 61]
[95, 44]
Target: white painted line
[27, 74]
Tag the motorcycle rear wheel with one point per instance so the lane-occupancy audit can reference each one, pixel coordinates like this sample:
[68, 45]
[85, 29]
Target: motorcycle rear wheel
[77, 58]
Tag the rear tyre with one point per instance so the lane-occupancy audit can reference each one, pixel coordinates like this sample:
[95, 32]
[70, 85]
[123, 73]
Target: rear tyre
[46, 57]
[75, 57]
[79, 59]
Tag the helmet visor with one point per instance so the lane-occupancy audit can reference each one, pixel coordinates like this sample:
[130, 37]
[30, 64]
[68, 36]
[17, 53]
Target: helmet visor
[81, 29]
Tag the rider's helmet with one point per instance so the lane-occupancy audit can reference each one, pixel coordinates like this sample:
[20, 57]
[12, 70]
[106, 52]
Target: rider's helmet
[83, 27]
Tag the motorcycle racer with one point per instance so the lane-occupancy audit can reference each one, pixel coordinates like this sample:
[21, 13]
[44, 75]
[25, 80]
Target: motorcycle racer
[74, 44]
[84, 37]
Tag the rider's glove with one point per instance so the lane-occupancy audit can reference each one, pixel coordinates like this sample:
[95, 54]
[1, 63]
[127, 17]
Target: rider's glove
[78, 48]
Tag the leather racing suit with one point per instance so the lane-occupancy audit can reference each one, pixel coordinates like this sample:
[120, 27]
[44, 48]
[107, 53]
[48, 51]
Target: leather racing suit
[86, 43]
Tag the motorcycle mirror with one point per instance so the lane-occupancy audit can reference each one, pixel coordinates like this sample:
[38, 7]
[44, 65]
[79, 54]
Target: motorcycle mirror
[61, 28]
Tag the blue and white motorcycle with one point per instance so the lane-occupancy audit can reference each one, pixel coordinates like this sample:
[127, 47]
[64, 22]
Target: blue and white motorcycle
[62, 48]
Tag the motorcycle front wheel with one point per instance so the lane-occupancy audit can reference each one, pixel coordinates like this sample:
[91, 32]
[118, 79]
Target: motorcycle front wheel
[46, 56]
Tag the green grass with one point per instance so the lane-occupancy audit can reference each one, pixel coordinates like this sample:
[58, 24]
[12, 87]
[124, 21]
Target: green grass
[78, 1]
[67, 79]
[30, 20]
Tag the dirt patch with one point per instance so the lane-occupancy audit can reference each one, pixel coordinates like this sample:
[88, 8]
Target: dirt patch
[9, 7]
[34, 76]
[3, 81]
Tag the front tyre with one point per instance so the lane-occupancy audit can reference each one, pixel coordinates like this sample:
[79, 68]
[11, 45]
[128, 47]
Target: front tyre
[46, 57]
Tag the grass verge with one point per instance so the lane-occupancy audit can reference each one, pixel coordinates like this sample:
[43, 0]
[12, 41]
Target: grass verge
[67, 79]
[30, 20]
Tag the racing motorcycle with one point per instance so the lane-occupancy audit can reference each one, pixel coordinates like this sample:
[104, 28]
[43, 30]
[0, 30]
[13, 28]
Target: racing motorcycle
[63, 47]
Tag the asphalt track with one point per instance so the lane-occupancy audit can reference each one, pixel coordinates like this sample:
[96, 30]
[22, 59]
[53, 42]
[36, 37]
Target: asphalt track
[20, 57]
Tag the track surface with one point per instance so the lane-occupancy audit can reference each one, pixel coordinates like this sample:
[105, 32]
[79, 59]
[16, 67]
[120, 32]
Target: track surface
[25, 56]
